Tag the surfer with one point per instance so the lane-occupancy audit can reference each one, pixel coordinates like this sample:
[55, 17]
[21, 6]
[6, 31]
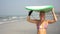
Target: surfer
[42, 24]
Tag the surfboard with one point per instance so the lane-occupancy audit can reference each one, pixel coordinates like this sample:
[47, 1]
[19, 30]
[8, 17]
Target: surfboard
[40, 8]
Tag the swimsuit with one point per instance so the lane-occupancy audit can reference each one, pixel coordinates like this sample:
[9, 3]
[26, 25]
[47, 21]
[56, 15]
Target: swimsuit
[41, 27]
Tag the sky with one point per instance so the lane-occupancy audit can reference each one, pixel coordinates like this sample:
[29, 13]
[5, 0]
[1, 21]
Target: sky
[17, 7]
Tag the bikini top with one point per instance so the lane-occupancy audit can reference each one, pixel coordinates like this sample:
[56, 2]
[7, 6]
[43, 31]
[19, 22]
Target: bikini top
[41, 27]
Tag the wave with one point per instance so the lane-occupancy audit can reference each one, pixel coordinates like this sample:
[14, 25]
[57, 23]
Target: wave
[19, 17]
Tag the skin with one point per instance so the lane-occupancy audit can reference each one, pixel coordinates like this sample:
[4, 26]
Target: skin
[42, 21]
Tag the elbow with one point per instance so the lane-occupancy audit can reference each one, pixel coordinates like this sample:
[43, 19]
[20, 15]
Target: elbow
[28, 20]
[55, 20]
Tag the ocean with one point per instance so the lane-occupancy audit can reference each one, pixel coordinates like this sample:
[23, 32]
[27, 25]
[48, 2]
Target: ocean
[35, 15]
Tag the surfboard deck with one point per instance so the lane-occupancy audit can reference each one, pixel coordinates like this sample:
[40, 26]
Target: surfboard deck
[39, 8]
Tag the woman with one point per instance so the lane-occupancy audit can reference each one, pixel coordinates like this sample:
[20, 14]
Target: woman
[42, 23]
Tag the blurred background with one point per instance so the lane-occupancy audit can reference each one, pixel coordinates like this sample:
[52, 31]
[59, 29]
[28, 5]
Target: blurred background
[13, 16]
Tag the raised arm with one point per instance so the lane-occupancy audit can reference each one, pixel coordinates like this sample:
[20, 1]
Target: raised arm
[31, 20]
[54, 17]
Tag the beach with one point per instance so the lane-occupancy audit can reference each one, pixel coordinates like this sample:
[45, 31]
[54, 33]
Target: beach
[13, 14]
[21, 26]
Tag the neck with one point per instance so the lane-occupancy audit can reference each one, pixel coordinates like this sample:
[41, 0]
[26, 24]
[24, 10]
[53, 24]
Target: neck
[42, 19]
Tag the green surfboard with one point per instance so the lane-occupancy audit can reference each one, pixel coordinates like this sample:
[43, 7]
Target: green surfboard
[40, 8]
